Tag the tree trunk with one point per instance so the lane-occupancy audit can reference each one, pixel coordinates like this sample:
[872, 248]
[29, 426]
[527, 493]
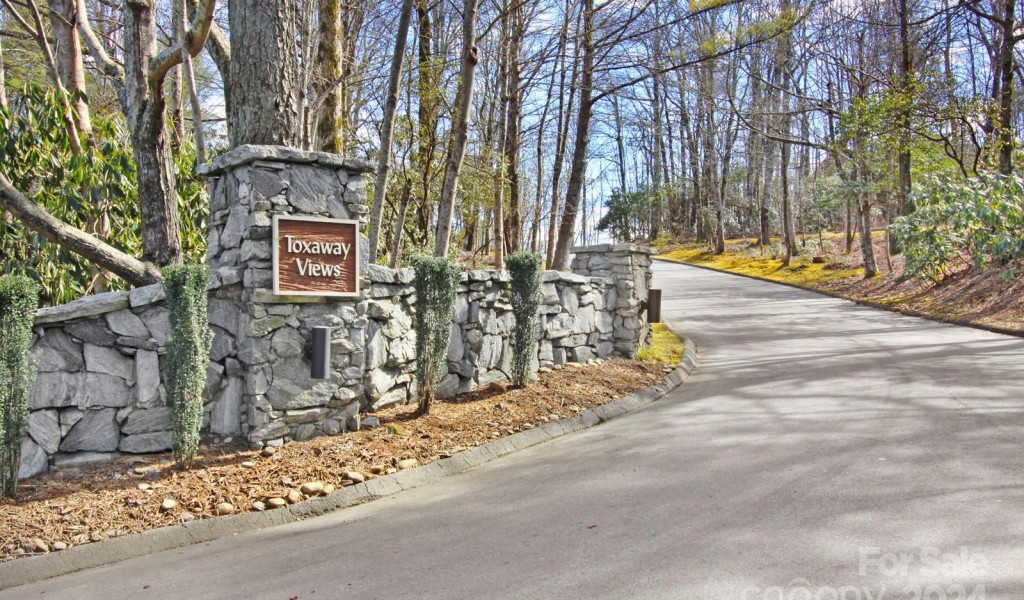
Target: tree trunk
[3, 78]
[264, 73]
[655, 220]
[500, 138]
[158, 202]
[176, 104]
[188, 76]
[330, 121]
[514, 214]
[427, 112]
[464, 100]
[564, 117]
[387, 127]
[68, 55]
[866, 245]
[1005, 134]
[620, 144]
[396, 238]
[577, 173]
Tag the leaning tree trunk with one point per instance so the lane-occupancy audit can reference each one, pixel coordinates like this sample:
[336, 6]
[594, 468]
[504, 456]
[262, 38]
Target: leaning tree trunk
[577, 173]
[73, 239]
[387, 128]
[264, 73]
[464, 102]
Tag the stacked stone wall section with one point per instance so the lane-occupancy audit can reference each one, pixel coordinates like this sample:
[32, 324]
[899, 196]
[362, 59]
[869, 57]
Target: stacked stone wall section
[101, 388]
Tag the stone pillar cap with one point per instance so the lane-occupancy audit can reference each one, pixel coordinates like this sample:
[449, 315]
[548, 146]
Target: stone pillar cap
[248, 153]
[612, 248]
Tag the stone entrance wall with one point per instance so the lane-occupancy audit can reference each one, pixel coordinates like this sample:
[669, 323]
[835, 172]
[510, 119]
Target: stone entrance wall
[100, 389]
[574, 327]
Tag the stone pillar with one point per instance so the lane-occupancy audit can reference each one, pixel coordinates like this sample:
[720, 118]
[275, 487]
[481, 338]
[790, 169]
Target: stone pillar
[629, 266]
[262, 339]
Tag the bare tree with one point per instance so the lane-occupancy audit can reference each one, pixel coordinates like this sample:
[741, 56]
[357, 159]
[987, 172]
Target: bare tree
[464, 99]
[387, 127]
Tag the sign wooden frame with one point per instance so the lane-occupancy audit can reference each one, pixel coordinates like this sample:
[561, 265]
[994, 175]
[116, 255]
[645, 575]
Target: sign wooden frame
[276, 242]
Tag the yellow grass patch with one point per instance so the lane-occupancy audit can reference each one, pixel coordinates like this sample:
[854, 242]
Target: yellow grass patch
[799, 272]
[667, 347]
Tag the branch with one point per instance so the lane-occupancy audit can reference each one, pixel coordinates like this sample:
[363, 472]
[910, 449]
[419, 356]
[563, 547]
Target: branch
[107, 65]
[39, 33]
[219, 48]
[103, 255]
[170, 57]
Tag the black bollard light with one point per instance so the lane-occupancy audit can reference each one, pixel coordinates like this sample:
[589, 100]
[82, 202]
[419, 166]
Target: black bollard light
[654, 306]
[321, 359]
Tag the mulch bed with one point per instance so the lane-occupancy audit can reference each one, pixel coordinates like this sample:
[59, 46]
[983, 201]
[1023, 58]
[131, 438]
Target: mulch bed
[75, 506]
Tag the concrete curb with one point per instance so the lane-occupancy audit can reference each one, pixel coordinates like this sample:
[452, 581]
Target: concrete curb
[14, 573]
[909, 312]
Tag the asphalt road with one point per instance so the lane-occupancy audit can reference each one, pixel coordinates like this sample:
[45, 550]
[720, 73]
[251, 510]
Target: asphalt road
[821, 450]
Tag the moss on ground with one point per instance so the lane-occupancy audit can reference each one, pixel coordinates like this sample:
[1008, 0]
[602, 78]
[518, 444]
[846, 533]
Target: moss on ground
[666, 347]
[800, 271]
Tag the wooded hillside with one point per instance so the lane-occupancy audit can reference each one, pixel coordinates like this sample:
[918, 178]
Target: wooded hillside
[506, 125]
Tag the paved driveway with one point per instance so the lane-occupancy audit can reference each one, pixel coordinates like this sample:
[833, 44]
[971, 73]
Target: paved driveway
[821, 450]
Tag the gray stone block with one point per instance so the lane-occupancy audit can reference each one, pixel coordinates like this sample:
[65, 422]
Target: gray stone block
[448, 387]
[313, 189]
[287, 395]
[157, 320]
[147, 421]
[33, 459]
[100, 359]
[56, 351]
[94, 331]
[147, 294]
[82, 458]
[56, 390]
[147, 378]
[97, 430]
[226, 418]
[157, 441]
[288, 342]
[124, 322]
[89, 306]
[44, 428]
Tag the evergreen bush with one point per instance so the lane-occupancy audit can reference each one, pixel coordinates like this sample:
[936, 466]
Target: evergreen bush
[19, 297]
[979, 218]
[437, 280]
[524, 269]
[188, 353]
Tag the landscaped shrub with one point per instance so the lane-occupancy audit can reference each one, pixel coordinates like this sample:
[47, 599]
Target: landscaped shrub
[84, 190]
[19, 297]
[524, 269]
[981, 218]
[188, 353]
[436, 282]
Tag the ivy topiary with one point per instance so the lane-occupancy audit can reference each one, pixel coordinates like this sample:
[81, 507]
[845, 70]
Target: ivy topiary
[524, 269]
[19, 297]
[188, 353]
[437, 280]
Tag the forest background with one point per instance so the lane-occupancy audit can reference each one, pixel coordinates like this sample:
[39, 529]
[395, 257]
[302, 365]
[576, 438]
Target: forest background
[505, 125]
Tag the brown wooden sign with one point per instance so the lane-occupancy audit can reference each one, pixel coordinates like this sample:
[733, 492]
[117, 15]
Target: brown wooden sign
[316, 256]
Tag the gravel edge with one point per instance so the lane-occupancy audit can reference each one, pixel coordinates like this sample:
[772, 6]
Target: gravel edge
[23, 571]
[908, 312]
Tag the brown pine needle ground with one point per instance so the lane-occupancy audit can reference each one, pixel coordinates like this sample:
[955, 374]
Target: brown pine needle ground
[76, 506]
